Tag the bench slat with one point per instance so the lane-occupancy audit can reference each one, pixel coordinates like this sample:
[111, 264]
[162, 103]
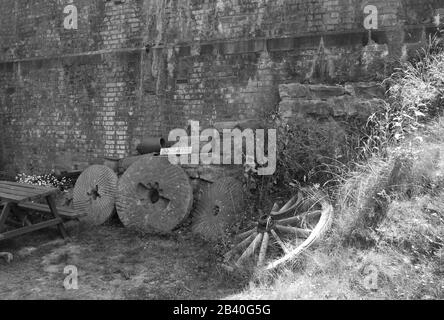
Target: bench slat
[63, 212]
[28, 186]
[11, 197]
[19, 191]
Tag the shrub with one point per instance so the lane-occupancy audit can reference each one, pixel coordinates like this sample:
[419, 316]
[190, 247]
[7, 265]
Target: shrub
[415, 96]
[309, 152]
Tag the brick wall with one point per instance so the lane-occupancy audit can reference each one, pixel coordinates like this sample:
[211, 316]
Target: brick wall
[142, 67]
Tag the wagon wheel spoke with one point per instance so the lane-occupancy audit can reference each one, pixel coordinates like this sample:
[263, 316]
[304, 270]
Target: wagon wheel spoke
[275, 209]
[295, 201]
[300, 233]
[240, 245]
[290, 203]
[316, 235]
[279, 241]
[289, 206]
[250, 250]
[290, 221]
[263, 251]
[245, 234]
[297, 220]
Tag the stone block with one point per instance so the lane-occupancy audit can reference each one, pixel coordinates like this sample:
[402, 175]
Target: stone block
[286, 108]
[369, 90]
[294, 91]
[297, 107]
[324, 92]
[344, 106]
[317, 108]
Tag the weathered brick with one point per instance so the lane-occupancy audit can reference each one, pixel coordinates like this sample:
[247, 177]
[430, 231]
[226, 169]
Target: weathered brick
[129, 72]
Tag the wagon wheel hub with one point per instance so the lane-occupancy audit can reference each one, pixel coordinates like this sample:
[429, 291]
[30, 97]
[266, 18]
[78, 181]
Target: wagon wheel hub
[266, 223]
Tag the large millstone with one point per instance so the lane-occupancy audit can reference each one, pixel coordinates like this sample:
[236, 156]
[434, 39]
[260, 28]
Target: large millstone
[95, 194]
[219, 208]
[154, 195]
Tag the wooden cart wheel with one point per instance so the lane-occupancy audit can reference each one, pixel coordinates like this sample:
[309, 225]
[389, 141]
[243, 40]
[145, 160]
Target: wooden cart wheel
[95, 193]
[218, 208]
[154, 195]
[284, 233]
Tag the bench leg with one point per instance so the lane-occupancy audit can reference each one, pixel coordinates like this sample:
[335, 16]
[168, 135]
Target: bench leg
[5, 214]
[53, 208]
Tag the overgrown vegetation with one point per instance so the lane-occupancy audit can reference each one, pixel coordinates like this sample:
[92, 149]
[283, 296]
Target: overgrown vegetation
[388, 235]
[414, 97]
[309, 152]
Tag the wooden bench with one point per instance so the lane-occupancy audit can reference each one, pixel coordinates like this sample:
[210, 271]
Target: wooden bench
[13, 194]
[64, 212]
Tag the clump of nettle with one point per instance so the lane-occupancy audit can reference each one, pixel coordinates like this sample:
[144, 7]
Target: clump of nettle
[45, 180]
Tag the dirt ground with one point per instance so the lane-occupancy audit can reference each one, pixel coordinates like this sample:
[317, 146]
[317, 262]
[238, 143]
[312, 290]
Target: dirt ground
[113, 263]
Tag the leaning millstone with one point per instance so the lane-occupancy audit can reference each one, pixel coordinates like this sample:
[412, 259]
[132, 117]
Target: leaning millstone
[154, 195]
[219, 208]
[94, 194]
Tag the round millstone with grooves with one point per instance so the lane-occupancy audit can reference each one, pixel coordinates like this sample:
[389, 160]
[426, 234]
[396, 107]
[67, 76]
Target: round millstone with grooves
[95, 194]
[154, 195]
[218, 208]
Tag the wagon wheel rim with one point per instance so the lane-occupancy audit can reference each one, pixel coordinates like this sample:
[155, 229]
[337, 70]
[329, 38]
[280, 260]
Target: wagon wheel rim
[272, 230]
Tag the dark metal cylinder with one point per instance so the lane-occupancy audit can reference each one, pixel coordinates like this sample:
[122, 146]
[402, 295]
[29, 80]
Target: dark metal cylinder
[151, 145]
